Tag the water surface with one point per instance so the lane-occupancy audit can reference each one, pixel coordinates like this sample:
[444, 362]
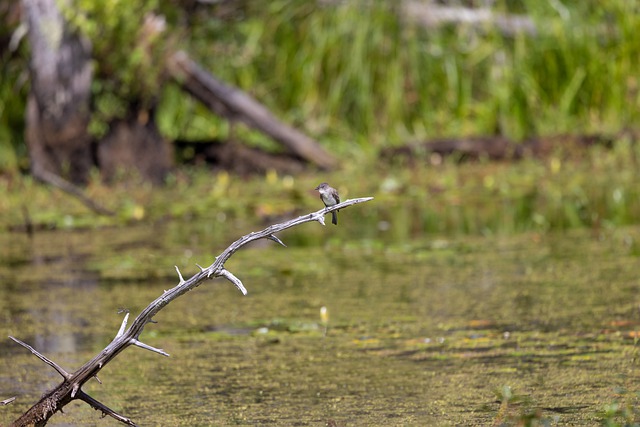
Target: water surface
[427, 332]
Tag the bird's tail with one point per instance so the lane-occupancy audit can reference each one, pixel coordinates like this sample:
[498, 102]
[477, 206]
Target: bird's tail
[334, 218]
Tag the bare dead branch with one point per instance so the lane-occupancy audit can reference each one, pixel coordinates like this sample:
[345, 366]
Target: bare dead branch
[275, 239]
[71, 387]
[179, 274]
[98, 406]
[148, 347]
[7, 401]
[123, 326]
[45, 359]
[233, 279]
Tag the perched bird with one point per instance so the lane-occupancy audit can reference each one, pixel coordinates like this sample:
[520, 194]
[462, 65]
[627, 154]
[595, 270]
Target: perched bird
[329, 197]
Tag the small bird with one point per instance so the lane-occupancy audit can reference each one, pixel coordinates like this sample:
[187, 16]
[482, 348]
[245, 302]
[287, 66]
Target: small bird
[329, 197]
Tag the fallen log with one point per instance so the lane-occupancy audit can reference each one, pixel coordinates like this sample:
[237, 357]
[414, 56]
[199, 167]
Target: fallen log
[71, 387]
[500, 147]
[234, 104]
[236, 158]
[431, 15]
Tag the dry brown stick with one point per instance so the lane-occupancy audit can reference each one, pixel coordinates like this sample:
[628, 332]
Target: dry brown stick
[70, 389]
[69, 188]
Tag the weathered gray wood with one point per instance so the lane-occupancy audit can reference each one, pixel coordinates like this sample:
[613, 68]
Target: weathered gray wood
[431, 14]
[70, 389]
[234, 104]
[7, 401]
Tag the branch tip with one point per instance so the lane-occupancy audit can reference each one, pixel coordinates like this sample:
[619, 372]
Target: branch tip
[179, 275]
[123, 326]
[7, 401]
[148, 347]
[233, 279]
[275, 239]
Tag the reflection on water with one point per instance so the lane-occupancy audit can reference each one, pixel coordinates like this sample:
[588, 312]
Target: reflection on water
[419, 333]
[46, 288]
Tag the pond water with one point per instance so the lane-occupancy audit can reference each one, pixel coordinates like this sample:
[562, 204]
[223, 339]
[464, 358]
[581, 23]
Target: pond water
[432, 331]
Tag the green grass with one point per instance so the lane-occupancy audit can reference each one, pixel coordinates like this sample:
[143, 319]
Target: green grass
[358, 69]
[359, 76]
[597, 191]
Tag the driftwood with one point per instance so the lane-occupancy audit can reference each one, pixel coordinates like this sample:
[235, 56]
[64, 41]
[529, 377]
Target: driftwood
[236, 158]
[234, 104]
[7, 401]
[71, 386]
[430, 15]
[501, 148]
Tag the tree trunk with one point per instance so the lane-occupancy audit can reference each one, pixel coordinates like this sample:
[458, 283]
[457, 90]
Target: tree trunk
[58, 106]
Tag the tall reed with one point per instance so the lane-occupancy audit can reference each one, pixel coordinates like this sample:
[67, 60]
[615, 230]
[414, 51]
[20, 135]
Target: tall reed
[360, 70]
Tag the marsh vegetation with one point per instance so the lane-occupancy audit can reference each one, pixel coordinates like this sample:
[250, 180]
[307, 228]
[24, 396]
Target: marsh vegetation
[467, 292]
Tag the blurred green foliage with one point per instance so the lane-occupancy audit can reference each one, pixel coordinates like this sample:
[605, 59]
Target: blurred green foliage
[358, 74]
[597, 191]
[361, 71]
[128, 41]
